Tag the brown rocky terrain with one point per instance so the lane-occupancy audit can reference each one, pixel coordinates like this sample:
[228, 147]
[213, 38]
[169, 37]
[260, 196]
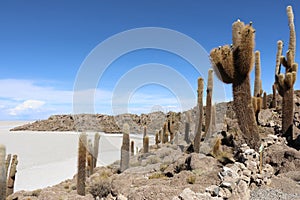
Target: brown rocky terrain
[225, 170]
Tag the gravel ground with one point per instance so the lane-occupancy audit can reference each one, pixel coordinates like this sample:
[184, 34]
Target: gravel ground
[272, 194]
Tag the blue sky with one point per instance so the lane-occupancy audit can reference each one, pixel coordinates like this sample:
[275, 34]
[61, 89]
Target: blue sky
[43, 44]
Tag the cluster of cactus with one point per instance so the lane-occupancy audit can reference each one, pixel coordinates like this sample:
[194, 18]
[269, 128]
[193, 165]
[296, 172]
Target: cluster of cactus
[125, 148]
[209, 115]
[233, 64]
[8, 170]
[87, 160]
[285, 82]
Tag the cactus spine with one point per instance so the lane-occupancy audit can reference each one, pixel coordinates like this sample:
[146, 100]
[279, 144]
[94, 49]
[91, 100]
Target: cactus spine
[208, 107]
[2, 173]
[81, 170]
[197, 138]
[125, 148]
[285, 82]
[233, 65]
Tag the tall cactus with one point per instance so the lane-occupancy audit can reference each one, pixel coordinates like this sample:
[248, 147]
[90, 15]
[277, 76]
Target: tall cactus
[171, 127]
[12, 176]
[257, 82]
[90, 158]
[146, 144]
[7, 163]
[274, 99]
[208, 107]
[213, 118]
[157, 141]
[265, 101]
[285, 82]
[132, 148]
[2, 173]
[81, 170]
[233, 65]
[187, 132]
[125, 148]
[257, 100]
[96, 148]
[187, 128]
[197, 138]
[145, 131]
[165, 134]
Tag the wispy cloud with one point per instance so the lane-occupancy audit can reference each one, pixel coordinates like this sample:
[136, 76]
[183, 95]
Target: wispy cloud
[28, 106]
[27, 99]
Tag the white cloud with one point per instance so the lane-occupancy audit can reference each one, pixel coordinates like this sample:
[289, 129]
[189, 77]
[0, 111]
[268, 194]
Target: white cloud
[26, 99]
[27, 106]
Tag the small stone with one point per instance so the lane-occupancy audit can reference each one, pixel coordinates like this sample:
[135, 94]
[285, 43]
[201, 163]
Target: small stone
[121, 197]
[242, 191]
[268, 181]
[274, 137]
[226, 185]
[247, 172]
[241, 165]
[224, 193]
[251, 165]
[268, 171]
[213, 190]
[249, 151]
[244, 145]
[258, 182]
[246, 179]
[271, 123]
[270, 142]
[220, 176]
[259, 176]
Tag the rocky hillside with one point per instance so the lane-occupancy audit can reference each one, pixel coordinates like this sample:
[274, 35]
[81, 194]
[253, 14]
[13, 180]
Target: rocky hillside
[170, 171]
[226, 168]
[111, 124]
